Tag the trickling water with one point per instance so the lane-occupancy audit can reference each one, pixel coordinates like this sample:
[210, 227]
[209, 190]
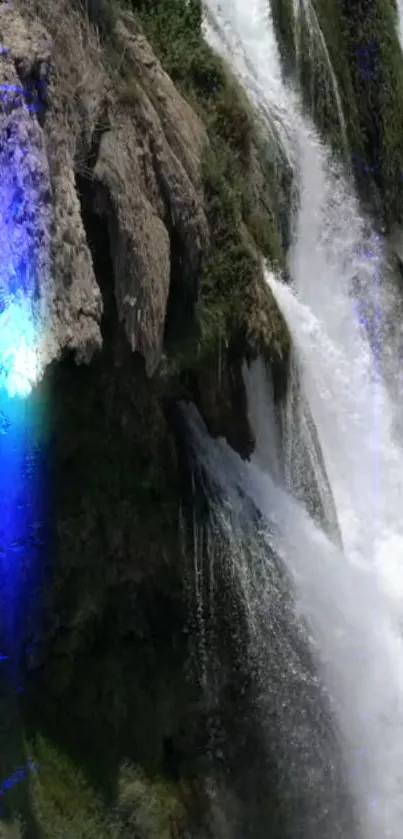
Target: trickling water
[350, 598]
[263, 419]
[317, 43]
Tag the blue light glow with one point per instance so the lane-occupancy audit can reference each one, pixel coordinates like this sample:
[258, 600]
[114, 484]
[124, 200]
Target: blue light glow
[23, 231]
[19, 367]
[22, 526]
[19, 296]
[19, 774]
[19, 370]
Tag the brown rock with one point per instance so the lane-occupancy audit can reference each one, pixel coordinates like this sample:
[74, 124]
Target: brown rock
[37, 156]
[141, 163]
[148, 169]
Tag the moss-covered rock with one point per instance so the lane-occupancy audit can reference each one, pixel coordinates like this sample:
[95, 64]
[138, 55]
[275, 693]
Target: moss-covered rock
[361, 40]
[64, 804]
[239, 166]
[148, 808]
[375, 59]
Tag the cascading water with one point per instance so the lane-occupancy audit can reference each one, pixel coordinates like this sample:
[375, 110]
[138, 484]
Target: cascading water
[302, 767]
[400, 21]
[347, 589]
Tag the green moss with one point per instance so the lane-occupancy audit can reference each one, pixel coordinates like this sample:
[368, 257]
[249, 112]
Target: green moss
[305, 54]
[283, 18]
[389, 92]
[233, 299]
[148, 808]
[240, 224]
[365, 54]
[230, 120]
[11, 830]
[63, 802]
[66, 805]
[240, 227]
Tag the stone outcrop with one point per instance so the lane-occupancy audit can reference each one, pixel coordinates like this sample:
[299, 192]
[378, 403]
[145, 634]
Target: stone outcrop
[37, 169]
[69, 123]
[147, 181]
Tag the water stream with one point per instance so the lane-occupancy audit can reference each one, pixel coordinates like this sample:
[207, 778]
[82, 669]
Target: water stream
[345, 564]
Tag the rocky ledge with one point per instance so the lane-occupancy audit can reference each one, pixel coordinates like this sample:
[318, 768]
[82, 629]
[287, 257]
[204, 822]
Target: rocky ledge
[134, 145]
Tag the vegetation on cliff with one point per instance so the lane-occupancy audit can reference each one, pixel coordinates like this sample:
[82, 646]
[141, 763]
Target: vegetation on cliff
[246, 215]
[362, 43]
[233, 300]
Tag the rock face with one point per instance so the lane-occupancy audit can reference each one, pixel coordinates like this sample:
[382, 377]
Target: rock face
[147, 181]
[112, 213]
[67, 126]
[37, 171]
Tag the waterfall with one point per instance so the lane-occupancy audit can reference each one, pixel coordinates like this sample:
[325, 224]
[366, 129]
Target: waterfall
[304, 11]
[248, 514]
[351, 633]
[326, 577]
[400, 21]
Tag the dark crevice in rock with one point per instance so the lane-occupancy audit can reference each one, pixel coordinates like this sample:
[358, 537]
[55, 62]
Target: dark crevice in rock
[185, 261]
[280, 372]
[90, 156]
[97, 233]
[96, 228]
[219, 395]
[102, 15]
[180, 313]
[34, 87]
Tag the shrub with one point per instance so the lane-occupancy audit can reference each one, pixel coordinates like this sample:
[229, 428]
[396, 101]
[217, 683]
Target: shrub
[64, 804]
[147, 808]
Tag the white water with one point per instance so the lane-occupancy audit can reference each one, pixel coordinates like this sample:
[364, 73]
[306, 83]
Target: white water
[350, 629]
[400, 21]
[352, 599]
